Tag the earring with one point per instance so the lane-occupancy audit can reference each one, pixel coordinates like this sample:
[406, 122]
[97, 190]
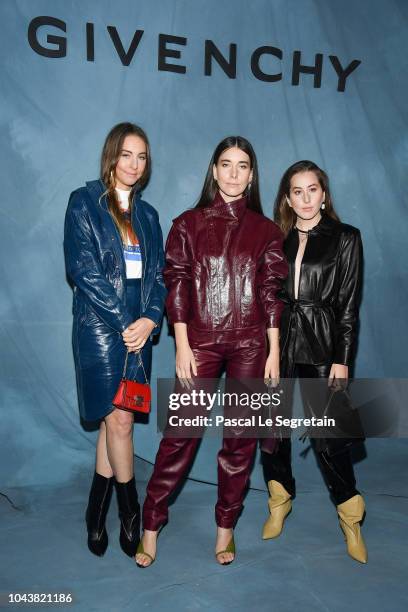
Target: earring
[323, 206]
[112, 178]
[249, 187]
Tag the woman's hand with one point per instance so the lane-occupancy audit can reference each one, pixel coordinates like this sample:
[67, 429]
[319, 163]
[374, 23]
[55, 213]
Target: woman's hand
[137, 333]
[185, 364]
[185, 361]
[271, 374]
[338, 376]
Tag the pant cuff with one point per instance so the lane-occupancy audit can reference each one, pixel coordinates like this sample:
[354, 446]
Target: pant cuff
[340, 498]
[153, 522]
[225, 523]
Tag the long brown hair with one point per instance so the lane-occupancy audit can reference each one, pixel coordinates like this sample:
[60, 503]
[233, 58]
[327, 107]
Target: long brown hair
[284, 215]
[210, 187]
[111, 152]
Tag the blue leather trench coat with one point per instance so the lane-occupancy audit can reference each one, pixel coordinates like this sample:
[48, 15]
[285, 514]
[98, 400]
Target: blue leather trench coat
[96, 267]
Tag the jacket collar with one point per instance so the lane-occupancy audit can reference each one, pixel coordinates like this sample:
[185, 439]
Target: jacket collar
[325, 226]
[97, 189]
[230, 211]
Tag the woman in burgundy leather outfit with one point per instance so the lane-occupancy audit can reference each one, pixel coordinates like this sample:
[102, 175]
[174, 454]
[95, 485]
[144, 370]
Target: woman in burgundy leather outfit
[224, 266]
[318, 336]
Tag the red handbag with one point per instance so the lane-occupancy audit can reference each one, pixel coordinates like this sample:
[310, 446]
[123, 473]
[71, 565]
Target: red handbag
[132, 395]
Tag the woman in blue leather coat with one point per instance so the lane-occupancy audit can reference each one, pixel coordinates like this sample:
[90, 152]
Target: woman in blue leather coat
[114, 259]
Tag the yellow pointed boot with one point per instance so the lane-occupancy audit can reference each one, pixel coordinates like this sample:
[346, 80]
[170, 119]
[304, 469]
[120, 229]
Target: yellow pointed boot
[280, 505]
[350, 514]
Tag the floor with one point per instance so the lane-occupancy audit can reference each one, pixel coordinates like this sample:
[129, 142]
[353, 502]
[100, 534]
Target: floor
[44, 550]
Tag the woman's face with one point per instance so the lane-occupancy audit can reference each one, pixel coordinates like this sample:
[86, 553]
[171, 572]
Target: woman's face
[132, 162]
[306, 195]
[233, 173]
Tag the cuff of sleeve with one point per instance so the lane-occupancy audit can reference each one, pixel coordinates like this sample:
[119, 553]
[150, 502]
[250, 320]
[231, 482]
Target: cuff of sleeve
[126, 320]
[153, 314]
[273, 320]
[177, 317]
[343, 355]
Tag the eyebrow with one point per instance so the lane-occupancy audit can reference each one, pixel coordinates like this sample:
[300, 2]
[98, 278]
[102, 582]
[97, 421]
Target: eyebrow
[127, 151]
[312, 185]
[242, 161]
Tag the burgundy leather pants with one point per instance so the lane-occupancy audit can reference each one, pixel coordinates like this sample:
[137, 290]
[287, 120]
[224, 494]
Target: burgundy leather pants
[243, 358]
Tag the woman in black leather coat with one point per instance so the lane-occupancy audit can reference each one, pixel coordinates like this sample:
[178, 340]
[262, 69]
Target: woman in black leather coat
[317, 335]
[114, 258]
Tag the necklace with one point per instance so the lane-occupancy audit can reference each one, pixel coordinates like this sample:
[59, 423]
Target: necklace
[310, 229]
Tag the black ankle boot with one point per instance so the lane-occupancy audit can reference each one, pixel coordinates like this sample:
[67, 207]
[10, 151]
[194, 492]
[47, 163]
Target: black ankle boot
[98, 506]
[129, 514]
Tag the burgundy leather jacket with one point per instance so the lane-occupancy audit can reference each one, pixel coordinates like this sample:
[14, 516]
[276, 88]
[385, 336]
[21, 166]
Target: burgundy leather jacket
[224, 266]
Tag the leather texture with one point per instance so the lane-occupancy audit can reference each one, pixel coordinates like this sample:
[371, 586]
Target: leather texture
[320, 327]
[279, 504]
[102, 308]
[133, 396]
[98, 505]
[175, 455]
[351, 512]
[129, 514]
[224, 266]
[337, 471]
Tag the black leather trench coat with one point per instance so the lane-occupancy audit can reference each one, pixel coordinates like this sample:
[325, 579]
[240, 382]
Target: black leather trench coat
[320, 327]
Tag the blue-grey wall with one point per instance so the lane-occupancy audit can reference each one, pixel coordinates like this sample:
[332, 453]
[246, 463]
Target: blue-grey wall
[56, 113]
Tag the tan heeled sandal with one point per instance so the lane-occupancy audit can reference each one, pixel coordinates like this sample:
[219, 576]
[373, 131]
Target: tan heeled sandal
[230, 549]
[141, 551]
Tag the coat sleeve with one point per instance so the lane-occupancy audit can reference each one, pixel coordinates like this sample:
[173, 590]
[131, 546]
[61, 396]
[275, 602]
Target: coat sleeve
[177, 274]
[84, 268]
[155, 306]
[273, 271]
[348, 298]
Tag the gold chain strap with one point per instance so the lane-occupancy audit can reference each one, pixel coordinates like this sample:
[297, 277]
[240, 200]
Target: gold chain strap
[140, 363]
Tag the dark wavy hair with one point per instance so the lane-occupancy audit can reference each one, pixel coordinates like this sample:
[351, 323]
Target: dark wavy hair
[210, 186]
[284, 215]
